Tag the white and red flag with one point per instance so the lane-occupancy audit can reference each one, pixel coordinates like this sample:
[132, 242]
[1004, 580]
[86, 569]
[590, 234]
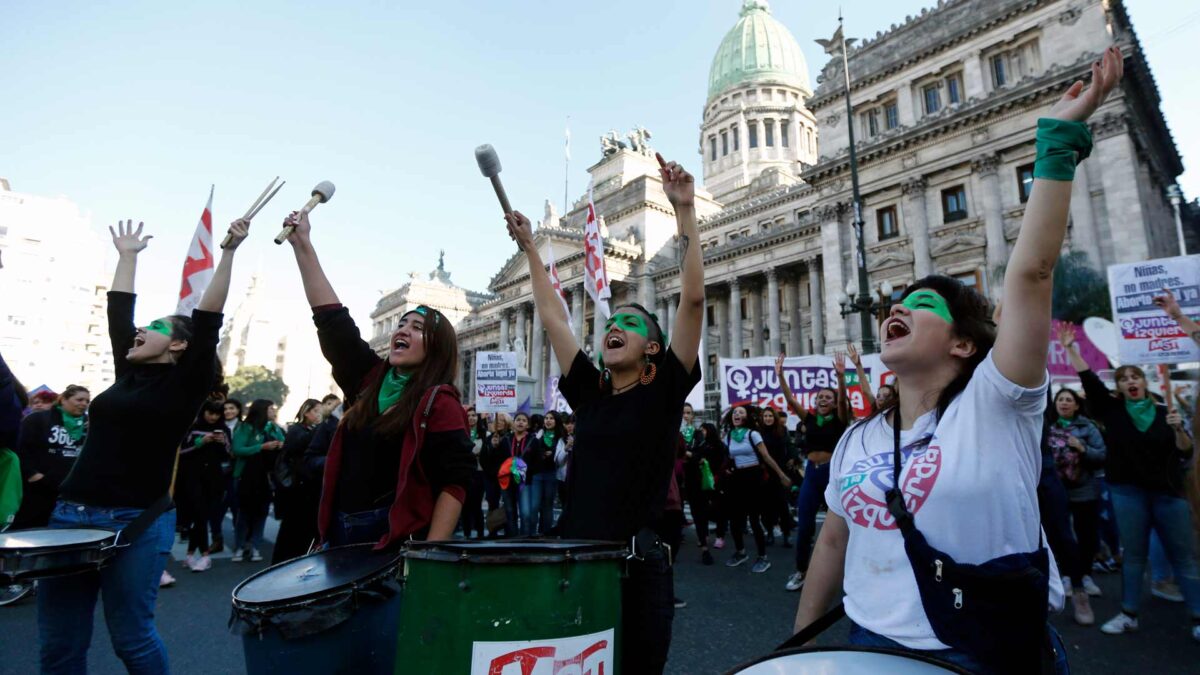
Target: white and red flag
[554, 281]
[198, 266]
[595, 273]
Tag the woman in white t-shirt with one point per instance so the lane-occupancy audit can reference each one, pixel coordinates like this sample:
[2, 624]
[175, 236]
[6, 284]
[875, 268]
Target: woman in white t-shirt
[970, 405]
[746, 485]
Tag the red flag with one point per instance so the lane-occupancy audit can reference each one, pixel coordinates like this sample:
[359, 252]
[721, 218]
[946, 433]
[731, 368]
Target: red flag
[198, 266]
[554, 281]
[595, 272]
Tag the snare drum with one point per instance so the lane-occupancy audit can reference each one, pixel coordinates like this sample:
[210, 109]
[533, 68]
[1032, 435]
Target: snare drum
[334, 611]
[846, 661]
[44, 552]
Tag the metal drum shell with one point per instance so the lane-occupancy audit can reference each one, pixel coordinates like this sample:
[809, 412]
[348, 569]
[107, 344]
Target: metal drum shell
[52, 560]
[853, 661]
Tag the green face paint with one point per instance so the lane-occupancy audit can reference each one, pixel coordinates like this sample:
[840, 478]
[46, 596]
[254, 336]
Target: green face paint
[929, 301]
[632, 323]
[160, 326]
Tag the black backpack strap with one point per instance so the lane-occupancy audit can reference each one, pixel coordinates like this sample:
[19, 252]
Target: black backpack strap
[814, 629]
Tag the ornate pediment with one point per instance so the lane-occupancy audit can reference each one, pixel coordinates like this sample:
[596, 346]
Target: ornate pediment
[892, 257]
[957, 243]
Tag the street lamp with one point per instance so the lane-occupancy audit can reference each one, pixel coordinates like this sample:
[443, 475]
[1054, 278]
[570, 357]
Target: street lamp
[1175, 194]
[852, 304]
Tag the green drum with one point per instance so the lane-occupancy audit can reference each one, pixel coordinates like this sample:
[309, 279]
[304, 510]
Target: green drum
[496, 606]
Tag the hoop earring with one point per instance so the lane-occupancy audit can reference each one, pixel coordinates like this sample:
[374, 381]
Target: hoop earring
[648, 372]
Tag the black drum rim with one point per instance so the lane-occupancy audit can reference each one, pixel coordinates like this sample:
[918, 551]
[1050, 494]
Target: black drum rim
[911, 655]
[391, 569]
[521, 551]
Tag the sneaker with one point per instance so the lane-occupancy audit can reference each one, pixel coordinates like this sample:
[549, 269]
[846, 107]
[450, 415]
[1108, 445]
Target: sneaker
[795, 582]
[1196, 632]
[680, 604]
[1121, 623]
[1101, 567]
[771, 539]
[1084, 616]
[737, 559]
[238, 556]
[166, 580]
[1091, 587]
[14, 592]
[255, 556]
[706, 557]
[719, 543]
[203, 564]
[761, 565]
[190, 561]
[1166, 590]
[1068, 588]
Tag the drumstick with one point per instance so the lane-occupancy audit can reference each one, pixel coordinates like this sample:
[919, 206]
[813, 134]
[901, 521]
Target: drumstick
[260, 197]
[258, 204]
[264, 202]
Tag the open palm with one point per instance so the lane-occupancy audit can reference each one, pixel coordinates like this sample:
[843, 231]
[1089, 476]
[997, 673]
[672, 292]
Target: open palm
[1077, 104]
[128, 240]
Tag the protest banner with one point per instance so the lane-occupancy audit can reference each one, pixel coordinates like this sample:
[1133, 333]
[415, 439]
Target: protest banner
[496, 382]
[1146, 334]
[753, 381]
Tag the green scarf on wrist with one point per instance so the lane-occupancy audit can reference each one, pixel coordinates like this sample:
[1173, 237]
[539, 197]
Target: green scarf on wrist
[822, 420]
[739, 434]
[1061, 146]
[72, 423]
[689, 432]
[391, 389]
[1142, 412]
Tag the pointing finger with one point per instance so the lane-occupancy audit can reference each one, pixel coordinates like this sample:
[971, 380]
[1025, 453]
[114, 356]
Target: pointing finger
[661, 162]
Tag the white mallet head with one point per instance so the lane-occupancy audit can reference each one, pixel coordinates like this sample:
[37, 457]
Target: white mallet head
[325, 190]
[488, 160]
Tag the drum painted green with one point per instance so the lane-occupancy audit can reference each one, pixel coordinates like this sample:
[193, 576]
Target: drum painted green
[456, 595]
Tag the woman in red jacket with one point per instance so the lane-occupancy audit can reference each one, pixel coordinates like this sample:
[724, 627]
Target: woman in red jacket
[400, 460]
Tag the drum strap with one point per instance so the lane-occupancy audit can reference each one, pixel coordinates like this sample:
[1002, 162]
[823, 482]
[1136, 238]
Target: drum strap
[814, 629]
[138, 525]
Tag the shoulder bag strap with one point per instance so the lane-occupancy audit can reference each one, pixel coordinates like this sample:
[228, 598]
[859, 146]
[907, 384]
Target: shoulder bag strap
[895, 498]
[814, 629]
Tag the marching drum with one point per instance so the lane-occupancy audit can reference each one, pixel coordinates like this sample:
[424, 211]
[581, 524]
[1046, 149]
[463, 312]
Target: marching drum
[43, 552]
[490, 606]
[846, 661]
[334, 611]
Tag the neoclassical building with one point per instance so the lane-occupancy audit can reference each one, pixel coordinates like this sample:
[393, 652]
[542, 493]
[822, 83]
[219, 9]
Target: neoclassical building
[945, 108]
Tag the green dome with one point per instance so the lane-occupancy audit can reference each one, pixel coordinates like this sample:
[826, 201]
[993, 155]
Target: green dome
[757, 49]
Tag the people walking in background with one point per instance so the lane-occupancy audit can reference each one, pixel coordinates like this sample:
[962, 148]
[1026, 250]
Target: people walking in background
[234, 411]
[49, 444]
[199, 483]
[472, 513]
[296, 496]
[512, 474]
[541, 479]
[746, 491]
[492, 459]
[562, 458]
[254, 444]
[776, 510]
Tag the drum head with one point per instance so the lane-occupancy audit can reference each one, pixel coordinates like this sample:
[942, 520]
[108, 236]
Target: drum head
[846, 661]
[314, 575]
[49, 538]
[515, 550]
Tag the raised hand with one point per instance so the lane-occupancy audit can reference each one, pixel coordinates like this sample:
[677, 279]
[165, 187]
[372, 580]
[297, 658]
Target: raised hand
[677, 183]
[1066, 335]
[839, 362]
[238, 231]
[519, 229]
[299, 221]
[854, 357]
[1168, 304]
[1077, 104]
[779, 366]
[1175, 420]
[127, 240]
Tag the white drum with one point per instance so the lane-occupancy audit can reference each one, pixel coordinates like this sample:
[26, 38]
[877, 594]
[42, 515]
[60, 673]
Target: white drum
[845, 661]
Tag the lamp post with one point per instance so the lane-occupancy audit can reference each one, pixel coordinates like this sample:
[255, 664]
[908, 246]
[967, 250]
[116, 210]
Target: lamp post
[871, 308]
[1175, 194]
[862, 303]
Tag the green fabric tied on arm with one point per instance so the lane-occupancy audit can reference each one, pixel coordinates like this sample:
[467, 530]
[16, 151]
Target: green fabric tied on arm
[1061, 146]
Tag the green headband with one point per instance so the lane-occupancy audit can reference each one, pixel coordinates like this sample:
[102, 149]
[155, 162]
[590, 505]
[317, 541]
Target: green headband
[161, 326]
[929, 301]
[633, 323]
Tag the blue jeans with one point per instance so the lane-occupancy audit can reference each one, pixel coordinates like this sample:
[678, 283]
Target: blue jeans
[537, 504]
[248, 526]
[1108, 519]
[812, 493]
[129, 583]
[1160, 568]
[862, 637]
[363, 527]
[1138, 511]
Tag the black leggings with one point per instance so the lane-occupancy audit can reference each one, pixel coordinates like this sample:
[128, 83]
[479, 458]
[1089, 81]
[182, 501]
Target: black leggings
[200, 491]
[776, 510]
[700, 502]
[1085, 517]
[743, 501]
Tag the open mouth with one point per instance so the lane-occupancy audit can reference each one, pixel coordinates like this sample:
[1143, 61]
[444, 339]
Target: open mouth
[614, 341]
[399, 345]
[138, 341]
[895, 330]
[1135, 391]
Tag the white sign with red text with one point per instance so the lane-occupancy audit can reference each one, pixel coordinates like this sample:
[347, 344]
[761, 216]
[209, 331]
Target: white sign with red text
[1146, 335]
[593, 654]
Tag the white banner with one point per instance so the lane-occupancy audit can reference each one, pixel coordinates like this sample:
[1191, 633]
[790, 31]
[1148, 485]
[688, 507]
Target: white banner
[581, 655]
[753, 381]
[496, 382]
[1146, 334]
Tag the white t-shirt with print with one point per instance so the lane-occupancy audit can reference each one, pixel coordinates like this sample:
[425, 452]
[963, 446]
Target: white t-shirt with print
[743, 452]
[972, 491]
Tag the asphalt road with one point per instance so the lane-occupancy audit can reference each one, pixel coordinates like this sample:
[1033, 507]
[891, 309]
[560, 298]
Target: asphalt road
[732, 616]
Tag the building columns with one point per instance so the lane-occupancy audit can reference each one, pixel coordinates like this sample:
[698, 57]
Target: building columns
[577, 313]
[538, 356]
[721, 312]
[816, 306]
[791, 305]
[735, 318]
[916, 223]
[756, 320]
[505, 343]
[773, 319]
[985, 167]
[523, 334]
[1085, 236]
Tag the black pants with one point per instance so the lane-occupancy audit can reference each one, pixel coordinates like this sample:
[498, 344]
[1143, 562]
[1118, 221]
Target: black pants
[472, 509]
[1086, 518]
[1052, 502]
[199, 491]
[743, 501]
[700, 503]
[37, 503]
[298, 524]
[775, 509]
[647, 610]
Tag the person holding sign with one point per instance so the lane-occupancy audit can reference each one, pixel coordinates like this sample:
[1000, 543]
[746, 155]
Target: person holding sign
[627, 415]
[936, 553]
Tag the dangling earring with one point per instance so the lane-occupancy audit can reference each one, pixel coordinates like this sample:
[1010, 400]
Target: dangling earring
[605, 379]
[648, 372]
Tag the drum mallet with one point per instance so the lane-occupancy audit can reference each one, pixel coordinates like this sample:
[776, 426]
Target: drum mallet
[322, 193]
[256, 207]
[489, 166]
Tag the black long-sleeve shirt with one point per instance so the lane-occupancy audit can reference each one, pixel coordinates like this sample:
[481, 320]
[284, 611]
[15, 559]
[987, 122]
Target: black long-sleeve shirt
[137, 424]
[10, 407]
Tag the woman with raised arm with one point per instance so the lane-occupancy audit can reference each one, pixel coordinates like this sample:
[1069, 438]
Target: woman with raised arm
[627, 423]
[823, 428]
[164, 372]
[746, 485]
[400, 461]
[969, 411]
[1147, 446]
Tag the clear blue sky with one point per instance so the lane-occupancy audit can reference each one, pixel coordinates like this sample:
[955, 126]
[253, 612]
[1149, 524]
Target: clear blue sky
[132, 109]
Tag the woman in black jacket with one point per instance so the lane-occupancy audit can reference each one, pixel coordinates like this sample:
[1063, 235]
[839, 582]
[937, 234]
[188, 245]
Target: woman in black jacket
[296, 495]
[776, 510]
[703, 458]
[199, 484]
[49, 444]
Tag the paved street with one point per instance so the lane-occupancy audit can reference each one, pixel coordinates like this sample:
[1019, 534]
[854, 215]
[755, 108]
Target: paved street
[732, 616]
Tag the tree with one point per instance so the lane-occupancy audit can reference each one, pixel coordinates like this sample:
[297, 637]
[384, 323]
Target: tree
[254, 382]
[1080, 290]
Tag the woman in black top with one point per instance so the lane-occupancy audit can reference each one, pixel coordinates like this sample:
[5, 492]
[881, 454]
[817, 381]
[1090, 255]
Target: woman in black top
[703, 460]
[296, 494]
[1146, 448]
[472, 514]
[514, 446]
[776, 509]
[49, 443]
[164, 371]
[541, 479]
[491, 458]
[199, 484]
[823, 428]
[627, 422]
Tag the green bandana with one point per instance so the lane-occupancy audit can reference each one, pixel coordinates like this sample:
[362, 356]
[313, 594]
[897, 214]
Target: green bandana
[739, 434]
[633, 323]
[929, 301]
[1061, 146]
[822, 420]
[391, 389]
[1142, 412]
[689, 432]
[160, 326]
[474, 434]
[548, 439]
[1065, 422]
[73, 424]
